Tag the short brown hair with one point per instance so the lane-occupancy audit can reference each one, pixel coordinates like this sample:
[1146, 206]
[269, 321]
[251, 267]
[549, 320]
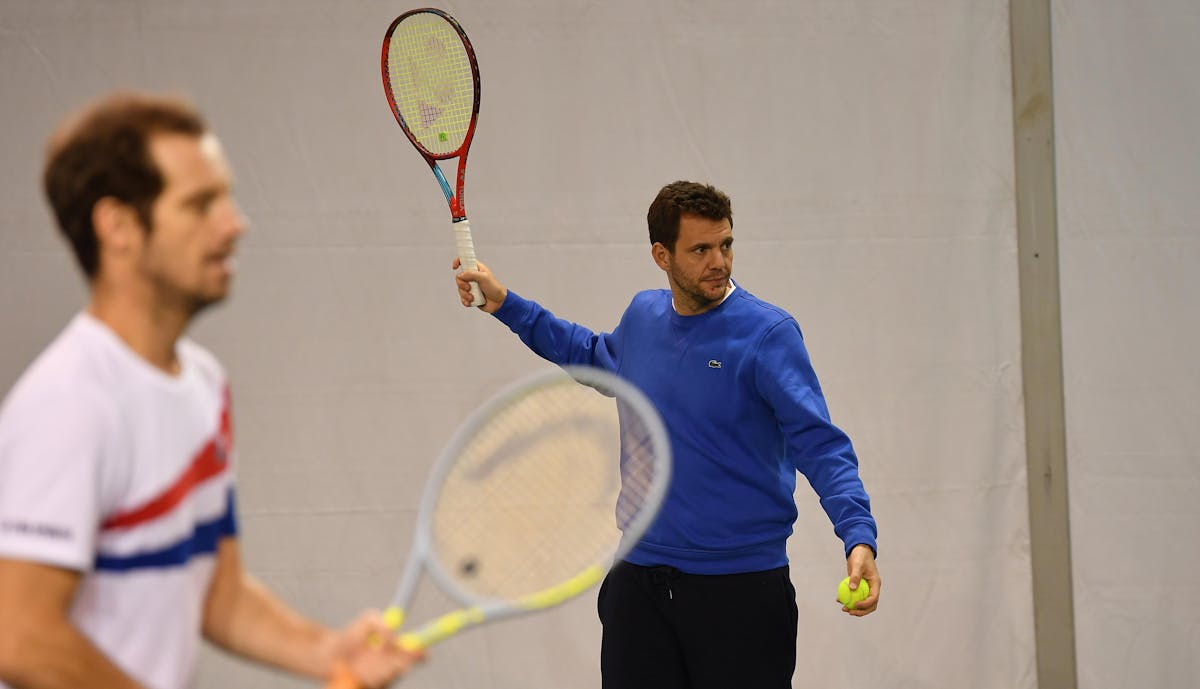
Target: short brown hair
[681, 197]
[104, 152]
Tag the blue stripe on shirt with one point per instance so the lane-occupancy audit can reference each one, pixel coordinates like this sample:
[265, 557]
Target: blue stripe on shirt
[202, 541]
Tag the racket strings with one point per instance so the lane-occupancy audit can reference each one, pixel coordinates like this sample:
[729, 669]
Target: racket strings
[532, 498]
[531, 505]
[641, 465]
[432, 81]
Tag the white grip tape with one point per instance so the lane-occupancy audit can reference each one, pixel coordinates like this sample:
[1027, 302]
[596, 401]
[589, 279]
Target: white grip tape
[466, 255]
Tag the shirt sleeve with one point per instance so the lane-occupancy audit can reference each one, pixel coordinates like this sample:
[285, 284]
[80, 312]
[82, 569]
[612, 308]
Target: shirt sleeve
[52, 451]
[227, 527]
[557, 340]
[816, 448]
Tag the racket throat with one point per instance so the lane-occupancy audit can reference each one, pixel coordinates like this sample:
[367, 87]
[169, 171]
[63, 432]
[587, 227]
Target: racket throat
[455, 205]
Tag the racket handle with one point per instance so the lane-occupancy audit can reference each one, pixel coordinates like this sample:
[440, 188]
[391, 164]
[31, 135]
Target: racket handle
[466, 255]
[342, 678]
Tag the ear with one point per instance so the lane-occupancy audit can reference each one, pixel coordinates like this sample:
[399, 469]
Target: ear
[661, 256]
[116, 224]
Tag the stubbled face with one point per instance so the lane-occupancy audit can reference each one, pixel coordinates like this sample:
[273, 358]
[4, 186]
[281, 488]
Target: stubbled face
[187, 256]
[700, 266]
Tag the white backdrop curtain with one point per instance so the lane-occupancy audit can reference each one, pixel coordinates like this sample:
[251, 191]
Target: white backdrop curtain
[868, 149]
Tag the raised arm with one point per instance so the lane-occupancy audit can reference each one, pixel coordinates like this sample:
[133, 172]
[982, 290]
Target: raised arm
[554, 339]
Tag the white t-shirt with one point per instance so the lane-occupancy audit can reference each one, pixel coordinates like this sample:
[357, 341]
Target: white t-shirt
[117, 470]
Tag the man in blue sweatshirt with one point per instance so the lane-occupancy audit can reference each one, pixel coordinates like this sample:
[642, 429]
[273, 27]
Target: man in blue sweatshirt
[705, 599]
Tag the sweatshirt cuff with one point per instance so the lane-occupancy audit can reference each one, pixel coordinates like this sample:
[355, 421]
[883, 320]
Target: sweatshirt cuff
[514, 309]
[860, 536]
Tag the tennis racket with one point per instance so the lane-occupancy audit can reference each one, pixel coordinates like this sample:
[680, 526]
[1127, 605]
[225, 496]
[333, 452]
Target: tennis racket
[532, 500]
[431, 80]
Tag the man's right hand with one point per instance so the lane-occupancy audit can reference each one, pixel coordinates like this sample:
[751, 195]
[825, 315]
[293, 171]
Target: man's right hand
[494, 293]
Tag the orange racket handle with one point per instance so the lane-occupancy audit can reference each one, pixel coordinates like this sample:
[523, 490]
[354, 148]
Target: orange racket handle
[342, 678]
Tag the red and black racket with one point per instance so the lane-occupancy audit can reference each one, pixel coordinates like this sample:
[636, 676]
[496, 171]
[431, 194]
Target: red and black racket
[431, 80]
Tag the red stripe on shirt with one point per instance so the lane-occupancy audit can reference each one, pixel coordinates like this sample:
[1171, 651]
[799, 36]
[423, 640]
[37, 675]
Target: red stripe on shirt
[210, 461]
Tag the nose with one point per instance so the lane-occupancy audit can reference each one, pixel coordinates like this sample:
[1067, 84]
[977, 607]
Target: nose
[232, 221]
[718, 259]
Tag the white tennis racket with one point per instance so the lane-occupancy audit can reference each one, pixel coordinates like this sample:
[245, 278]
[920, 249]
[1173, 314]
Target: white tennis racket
[533, 499]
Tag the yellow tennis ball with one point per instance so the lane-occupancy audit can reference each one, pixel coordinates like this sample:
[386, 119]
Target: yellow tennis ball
[847, 597]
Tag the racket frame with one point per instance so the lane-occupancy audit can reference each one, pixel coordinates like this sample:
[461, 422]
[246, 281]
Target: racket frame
[482, 609]
[454, 196]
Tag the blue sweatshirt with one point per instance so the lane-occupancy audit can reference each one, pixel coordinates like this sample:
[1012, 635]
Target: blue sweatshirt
[744, 411]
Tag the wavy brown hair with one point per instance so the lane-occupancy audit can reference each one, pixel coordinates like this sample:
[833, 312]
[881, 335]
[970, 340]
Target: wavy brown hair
[104, 151]
[681, 197]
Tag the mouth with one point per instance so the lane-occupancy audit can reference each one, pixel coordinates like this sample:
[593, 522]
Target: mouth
[226, 261]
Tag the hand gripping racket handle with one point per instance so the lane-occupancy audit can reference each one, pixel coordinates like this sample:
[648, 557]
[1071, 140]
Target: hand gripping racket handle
[343, 677]
[466, 255]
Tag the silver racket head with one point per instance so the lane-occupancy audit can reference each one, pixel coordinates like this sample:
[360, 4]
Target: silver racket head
[562, 471]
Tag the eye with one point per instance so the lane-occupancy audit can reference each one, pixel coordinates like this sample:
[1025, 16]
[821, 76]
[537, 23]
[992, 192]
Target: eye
[200, 205]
